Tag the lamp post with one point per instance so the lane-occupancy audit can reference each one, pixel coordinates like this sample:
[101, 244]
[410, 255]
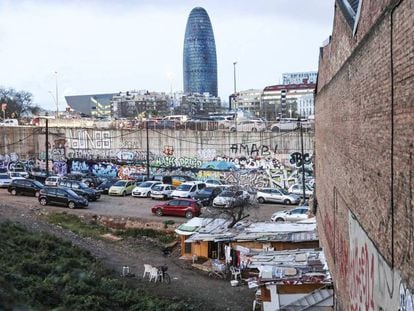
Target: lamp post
[148, 165]
[235, 96]
[303, 161]
[57, 95]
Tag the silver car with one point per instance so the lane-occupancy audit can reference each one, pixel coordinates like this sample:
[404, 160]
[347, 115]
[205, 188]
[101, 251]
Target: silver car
[276, 195]
[294, 215]
[162, 191]
[230, 198]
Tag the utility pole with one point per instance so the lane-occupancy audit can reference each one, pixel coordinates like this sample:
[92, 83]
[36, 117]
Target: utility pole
[235, 96]
[47, 147]
[148, 164]
[303, 162]
[57, 96]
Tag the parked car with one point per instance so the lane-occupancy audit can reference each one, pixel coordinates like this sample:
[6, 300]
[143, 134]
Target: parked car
[5, 180]
[21, 172]
[276, 195]
[248, 126]
[9, 122]
[188, 189]
[52, 181]
[122, 187]
[178, 207]
[144, 189]
[298, 190]
[284, 124]
[104, 186]
[177, 180]
[297, 214]
[230, 198]
[214, 183]
[25, 187]
[207, 195]
[81, 189]
[16, 175]
[162, 191]
[61, 196]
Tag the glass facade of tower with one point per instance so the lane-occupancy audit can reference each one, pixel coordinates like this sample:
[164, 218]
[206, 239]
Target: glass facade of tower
[199, 57]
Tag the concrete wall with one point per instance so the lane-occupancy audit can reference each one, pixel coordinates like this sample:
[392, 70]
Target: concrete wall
[364, 147]
[131, 145]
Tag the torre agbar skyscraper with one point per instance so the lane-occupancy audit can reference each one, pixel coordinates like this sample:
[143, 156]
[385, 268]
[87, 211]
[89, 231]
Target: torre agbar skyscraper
[199, 57]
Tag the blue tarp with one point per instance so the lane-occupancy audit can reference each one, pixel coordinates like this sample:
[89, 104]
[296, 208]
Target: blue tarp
[218, 166]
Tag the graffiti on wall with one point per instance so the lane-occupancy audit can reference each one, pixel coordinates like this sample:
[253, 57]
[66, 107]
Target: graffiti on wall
[81, 139]
[374, 285]
[173, 162]
[168, 150]
[252, 149]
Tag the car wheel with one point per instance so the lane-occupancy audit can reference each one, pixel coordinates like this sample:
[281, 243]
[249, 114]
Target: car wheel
[124, 194]
[14, 192]
[287, 202]
[165, 197]
[254, 129]
[189, 214]
[148, 194]
[158, 212]
[280, 220]
[43, 201]
[71, 205]
[261, 200]
[233, 129]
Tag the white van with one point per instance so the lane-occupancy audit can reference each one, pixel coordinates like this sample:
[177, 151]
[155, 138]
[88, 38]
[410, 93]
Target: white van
[9, 122]
[188, 189]
[178, 117]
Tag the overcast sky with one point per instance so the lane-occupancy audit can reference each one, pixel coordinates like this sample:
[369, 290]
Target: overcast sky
[110, 46]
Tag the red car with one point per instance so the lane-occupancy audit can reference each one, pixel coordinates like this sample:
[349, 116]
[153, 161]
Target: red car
[178, 207]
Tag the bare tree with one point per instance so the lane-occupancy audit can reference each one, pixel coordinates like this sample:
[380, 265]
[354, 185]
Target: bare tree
[241, 203]
[19, 103]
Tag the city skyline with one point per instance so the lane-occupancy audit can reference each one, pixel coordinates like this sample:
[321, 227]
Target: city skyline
[101, 47]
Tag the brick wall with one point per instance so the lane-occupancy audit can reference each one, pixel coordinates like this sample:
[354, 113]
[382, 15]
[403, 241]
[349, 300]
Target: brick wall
[364, 148]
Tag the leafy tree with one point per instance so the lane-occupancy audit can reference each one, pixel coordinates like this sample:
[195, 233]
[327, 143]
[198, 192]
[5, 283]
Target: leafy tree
[244, 200]
[19, 103]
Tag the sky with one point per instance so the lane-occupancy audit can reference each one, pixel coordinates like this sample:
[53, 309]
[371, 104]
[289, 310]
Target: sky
[108, 46]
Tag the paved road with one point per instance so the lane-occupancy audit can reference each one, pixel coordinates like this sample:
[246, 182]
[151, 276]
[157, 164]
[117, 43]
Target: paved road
[129, 207]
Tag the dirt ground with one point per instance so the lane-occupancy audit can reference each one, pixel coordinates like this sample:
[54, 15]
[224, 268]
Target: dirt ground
[187, 283]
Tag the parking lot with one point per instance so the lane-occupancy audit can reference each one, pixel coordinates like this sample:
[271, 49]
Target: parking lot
[129, 207]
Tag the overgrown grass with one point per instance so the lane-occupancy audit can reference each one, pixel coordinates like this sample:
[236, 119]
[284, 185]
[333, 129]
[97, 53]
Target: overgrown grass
[42, 272]
[77, 225]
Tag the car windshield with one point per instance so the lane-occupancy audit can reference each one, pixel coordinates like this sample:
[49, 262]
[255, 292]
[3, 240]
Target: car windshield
[207, 190]
[71, 192]
[38, 183]
[283, 191]
[83, 185]
[120, 183]
[227, 194]
[145, 185]
[184, 187]
[157, 188]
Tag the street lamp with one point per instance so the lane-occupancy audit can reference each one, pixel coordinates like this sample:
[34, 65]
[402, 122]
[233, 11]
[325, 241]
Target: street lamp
[234, 97]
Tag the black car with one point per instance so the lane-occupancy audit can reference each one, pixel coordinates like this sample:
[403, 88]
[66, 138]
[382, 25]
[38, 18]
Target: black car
[25, 187]
[81, 189]
[87, 178]
[61, 196]
[104, 187]
[207, 195]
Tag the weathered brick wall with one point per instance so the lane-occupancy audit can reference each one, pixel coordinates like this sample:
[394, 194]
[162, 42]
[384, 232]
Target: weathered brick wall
[364, 149]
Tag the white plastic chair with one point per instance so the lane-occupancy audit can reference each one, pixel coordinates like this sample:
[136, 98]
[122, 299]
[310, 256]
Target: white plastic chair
[147, 270]
[235, 272]
[154, 274]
